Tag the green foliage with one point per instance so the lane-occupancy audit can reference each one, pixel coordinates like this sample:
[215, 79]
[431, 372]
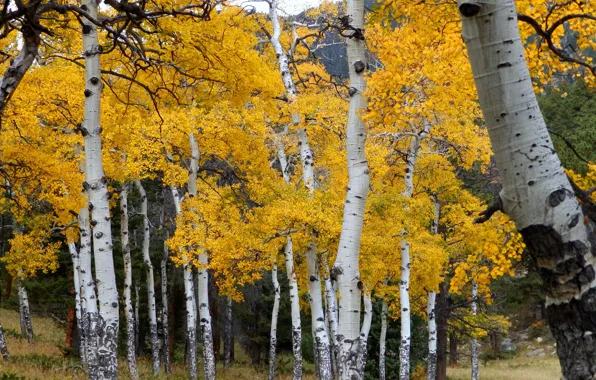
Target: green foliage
[571, 112]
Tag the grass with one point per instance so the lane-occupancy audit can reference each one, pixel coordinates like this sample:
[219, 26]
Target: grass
[46, 360]
[521, 367]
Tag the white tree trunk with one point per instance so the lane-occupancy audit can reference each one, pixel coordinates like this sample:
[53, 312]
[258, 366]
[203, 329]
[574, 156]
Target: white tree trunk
[96, 188]
[203, 274]
[292, 281]
[366, 323]
[331, 318]
[431, 372]
[90, 312]
[274, 314]
[128, 308]
[3, 348]
[383, 342]
[25, 312]
[404, 301]
[322, 347]
[189, 294]
[150, 280]
[164, 308]
[474, 343]
[346, 270]
[137, 320]
[80, 309]
[294, 309]
[536, 194]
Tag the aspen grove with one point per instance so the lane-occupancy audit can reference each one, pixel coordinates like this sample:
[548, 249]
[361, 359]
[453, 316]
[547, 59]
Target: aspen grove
[225, 189]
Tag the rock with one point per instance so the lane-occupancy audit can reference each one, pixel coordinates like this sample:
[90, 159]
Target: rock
[539, 340]
[538, 352]
[508, 346]
[523, 337]
[531, 347]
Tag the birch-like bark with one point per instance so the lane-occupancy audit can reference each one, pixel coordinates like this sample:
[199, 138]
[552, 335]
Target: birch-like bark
[20, 65]
[474, 342]
[25, 312]
[383, 342]
[536, 194]
[90, 312]
[365, 330]
[331, 314]
[322, 347]
[346, 270]
[164, 308]
[137, 320]
[96, 188]
[203, 274]
[3, 347]
[431, 372]
[431, 368]
[292, 281]
[80, 309]
[228, 340]
[274, 315]
[131, 358]
[189, 294]
[152, 311]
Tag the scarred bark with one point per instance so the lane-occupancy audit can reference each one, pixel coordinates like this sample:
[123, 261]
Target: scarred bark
[152, 311]
[80, 309]
[19, 65]
[228, 340]
[25, 312]
[346, 270]
[474, 342]
[382, 341]
[366, 323]
[164, 308]
[3, 348]
[536, 192]
[128, 310]
[331, 314]
[90, 313]
[274, 314]
[96, 188]
[431, 369]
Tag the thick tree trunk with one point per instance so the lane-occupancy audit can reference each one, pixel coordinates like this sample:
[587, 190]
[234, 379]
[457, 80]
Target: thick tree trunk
[453, 350]
[442, 314]
[95, 186]
[191, 313]
[346, 270]
[89, 305]
[383, 342]
[274, 314]
[474, 342]
[536, 192]
[80, 309]
[228, 340]
[20, 65]
[25, 312]
[164, 308]
[3, 348]
[131, 358]
[152, 311]
[366, 323]
[203, 275]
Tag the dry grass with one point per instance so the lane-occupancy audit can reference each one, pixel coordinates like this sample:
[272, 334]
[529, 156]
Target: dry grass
[45, 359]
[522, 368]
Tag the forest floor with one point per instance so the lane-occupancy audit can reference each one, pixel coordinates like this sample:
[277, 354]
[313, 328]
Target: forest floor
[46, 360]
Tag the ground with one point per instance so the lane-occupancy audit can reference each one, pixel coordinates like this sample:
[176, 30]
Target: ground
[46, 360]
